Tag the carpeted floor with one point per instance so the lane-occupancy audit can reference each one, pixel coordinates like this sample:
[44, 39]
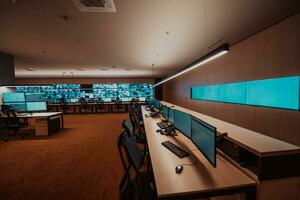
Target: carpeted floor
[81, 162]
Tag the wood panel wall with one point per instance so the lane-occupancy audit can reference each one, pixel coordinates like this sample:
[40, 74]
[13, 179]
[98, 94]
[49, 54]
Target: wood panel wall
[273, 52]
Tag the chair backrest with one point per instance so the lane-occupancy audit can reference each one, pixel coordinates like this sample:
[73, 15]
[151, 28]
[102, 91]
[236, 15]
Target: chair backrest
[133, 153]
[121, 149]
[128, 127]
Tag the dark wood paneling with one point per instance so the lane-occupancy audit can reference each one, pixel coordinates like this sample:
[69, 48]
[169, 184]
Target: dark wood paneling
[273, 52]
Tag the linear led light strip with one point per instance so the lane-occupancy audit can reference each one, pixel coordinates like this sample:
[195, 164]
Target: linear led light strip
[201, 61]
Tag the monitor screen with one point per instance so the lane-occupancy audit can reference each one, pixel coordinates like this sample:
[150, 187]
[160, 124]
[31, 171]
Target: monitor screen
[35, 97]
[36, 106]
[73, 100]
[18, 107]
[107, 99]
[171, 115]
[157, 104]
[142, 99]
[204, 137]
[182, 122]
[13, 97]
[125, 99]
[165, 112]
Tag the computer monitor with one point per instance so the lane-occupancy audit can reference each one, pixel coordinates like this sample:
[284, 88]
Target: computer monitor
[13, 97]
[18, 107]
[157, 104]
[36, 97]
[171, 115]
[183, 122]
[142, 99]
[165, 112]
[73, 100]
[36, 106]
[204, 137]
[125, 99]
[106, 99]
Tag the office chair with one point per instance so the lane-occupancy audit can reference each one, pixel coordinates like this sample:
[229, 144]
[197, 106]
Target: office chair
[12, 122]
[84, 105]
[64, 107]
[138, 128]
[143, 181]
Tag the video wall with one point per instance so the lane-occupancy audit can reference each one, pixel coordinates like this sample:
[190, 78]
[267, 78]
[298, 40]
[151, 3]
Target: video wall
[90, 92]
[277, 93]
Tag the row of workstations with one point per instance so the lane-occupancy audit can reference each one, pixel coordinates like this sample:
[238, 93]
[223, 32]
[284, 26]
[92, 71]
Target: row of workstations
[220, 158]
[91, 107]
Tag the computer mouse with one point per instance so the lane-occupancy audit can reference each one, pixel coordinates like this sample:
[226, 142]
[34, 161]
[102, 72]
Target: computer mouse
[178, 169]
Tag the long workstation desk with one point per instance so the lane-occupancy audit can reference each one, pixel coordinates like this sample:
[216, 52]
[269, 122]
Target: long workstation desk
[92, 107]
[199, 178]
[273, 164]
[46, 123]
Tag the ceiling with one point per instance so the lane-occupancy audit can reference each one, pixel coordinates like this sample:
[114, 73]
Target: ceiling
[143, 38]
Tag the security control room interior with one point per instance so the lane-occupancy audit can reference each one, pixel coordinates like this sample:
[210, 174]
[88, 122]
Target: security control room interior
[150, 99]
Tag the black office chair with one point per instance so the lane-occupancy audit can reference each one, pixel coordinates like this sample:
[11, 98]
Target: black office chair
[64, 107]
[85, 106]
[11, 122]
[144, 186]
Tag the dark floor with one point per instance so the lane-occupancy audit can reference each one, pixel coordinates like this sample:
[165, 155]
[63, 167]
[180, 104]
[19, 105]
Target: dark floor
[81, 162]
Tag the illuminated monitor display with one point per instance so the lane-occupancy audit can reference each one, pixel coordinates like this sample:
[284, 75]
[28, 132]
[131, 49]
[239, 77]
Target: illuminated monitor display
[13, 97]
[35, 97]
[36, 106]
[171, 115]
[142, 99]
[182, 121]
[18, 107]
[107, 99]
[204, 137]
[157, 104]
[165, 111]
[125, 99]
[233, 93]
[278, 92]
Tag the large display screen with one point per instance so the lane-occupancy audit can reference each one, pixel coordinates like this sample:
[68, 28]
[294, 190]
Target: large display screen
[91, 92]
[277, 93]
[182, 121]
[204, 137]
[13, 97]
[36, 106]
[35, 97]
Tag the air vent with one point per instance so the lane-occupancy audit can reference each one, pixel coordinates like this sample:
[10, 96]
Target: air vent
[8, 1]
[30, 69]
[95, 5]
[80, 69]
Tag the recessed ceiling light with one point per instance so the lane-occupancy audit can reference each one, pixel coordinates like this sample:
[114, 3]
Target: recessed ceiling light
[127, 69]
[103, 69]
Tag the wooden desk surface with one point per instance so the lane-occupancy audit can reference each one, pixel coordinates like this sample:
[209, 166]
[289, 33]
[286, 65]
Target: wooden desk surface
[41, 114]
[199, 178]
[257, 143]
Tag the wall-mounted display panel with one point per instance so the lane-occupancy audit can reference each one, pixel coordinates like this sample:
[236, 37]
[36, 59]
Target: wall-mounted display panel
[277, 93]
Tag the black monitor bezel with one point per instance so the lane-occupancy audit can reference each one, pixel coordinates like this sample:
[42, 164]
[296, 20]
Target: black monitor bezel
[215, 146]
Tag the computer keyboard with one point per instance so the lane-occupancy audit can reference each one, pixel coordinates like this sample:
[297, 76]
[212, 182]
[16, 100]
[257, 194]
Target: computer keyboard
[175, 149]
[162, 125]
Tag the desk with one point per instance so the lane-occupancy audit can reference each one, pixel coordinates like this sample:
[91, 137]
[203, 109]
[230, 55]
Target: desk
[276, 165]
[93, 106]
[197, 181]
[51, 118]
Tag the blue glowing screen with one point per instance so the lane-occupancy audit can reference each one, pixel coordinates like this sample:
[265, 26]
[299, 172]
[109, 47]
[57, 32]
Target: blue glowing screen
[276, 92]
[182, 121]
[204, 137]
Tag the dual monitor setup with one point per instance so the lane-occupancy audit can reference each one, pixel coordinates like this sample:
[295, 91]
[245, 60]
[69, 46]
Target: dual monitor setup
[202, 134]
[25, 102]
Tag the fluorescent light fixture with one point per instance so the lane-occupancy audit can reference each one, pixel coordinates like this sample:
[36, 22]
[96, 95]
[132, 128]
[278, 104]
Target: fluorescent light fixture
[201, 61]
